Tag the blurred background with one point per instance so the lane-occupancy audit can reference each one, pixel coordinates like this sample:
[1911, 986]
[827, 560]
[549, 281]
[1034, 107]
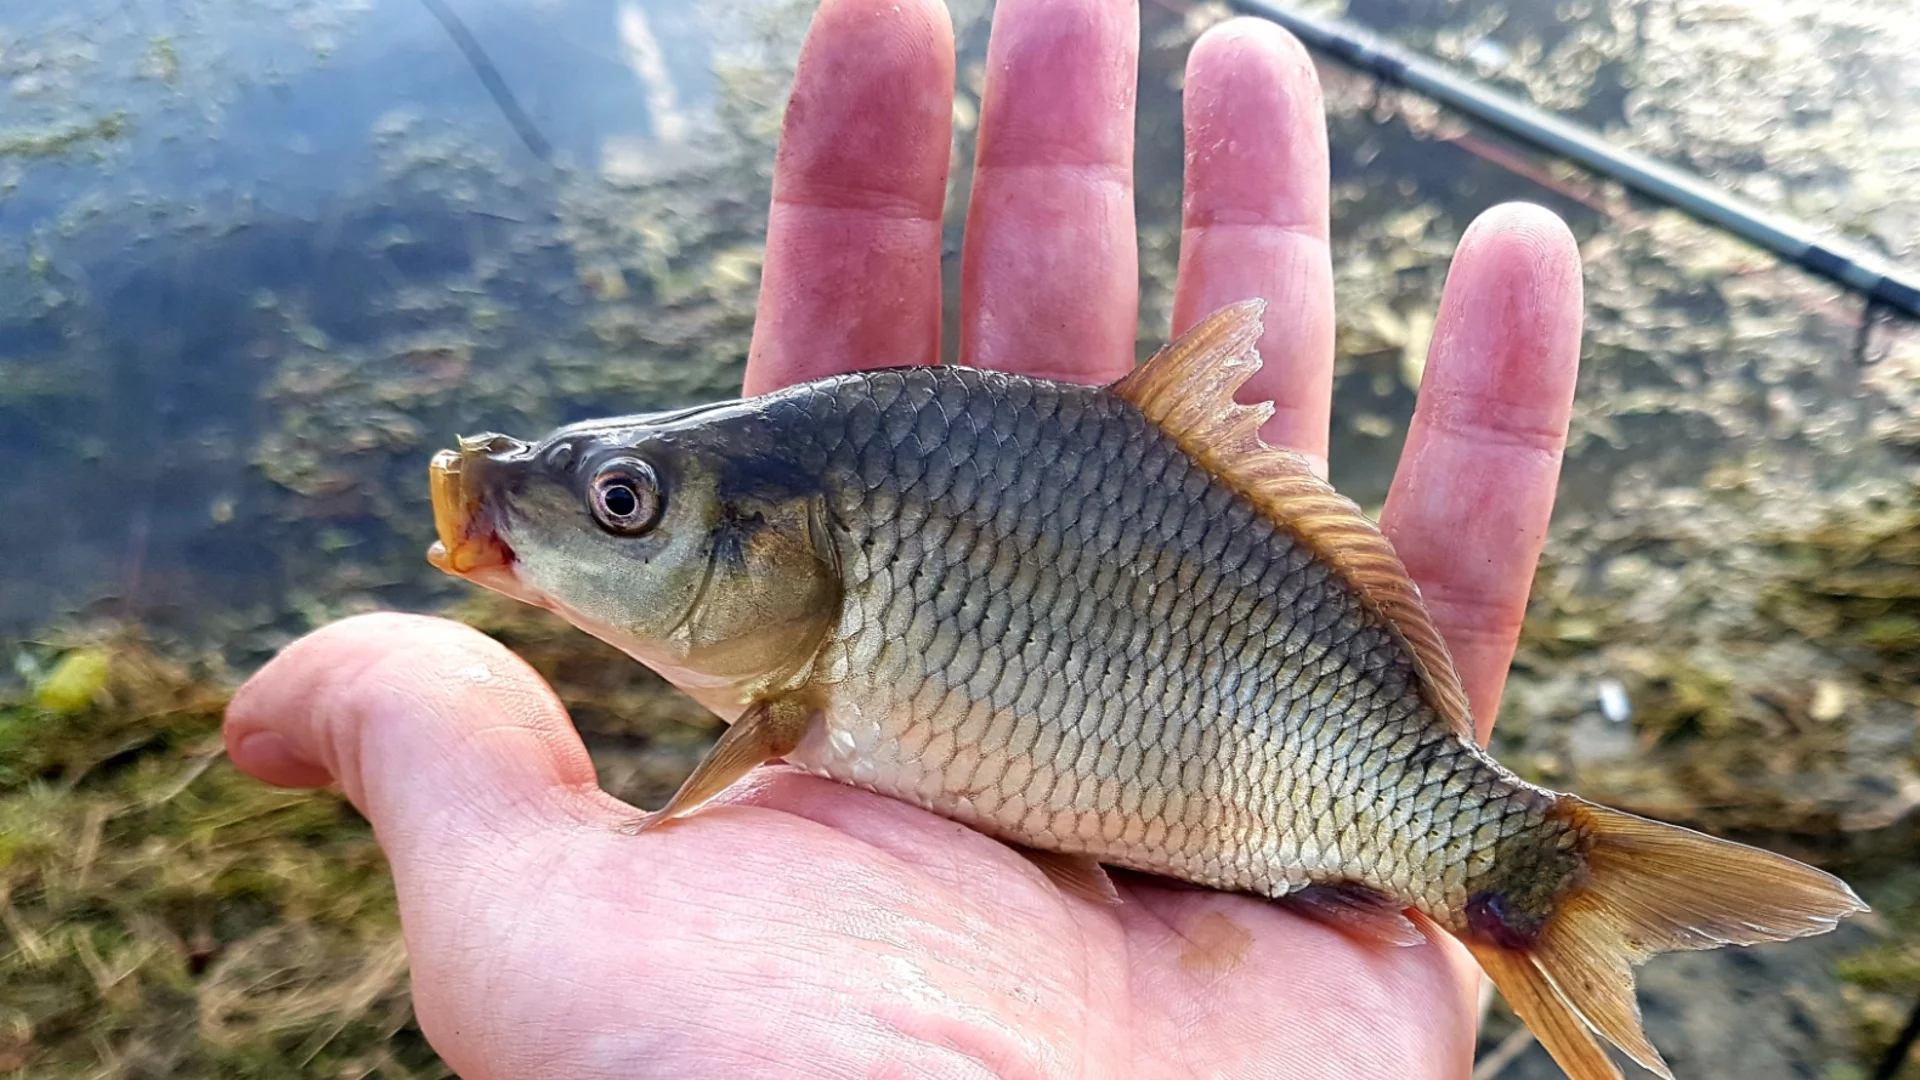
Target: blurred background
[258, 258]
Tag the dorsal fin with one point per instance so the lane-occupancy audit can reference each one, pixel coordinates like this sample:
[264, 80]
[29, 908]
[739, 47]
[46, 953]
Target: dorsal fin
[1187, 390]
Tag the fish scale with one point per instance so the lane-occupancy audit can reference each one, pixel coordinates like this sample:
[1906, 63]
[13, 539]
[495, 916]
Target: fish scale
[1171, 671]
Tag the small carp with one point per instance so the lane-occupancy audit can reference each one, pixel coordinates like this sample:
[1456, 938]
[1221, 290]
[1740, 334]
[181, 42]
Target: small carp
[1111, 625]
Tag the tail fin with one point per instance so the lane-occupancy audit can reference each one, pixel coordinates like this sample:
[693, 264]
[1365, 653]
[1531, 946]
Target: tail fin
[1649, 888]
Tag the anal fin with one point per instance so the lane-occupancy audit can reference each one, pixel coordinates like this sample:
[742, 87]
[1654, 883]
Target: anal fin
[1357, 910]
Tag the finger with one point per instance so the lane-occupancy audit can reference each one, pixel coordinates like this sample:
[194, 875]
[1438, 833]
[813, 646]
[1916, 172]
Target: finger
[1255, 220]
[481, 794]
[438, 734]
[1469, 505]
[1049, 279]
[852, 272]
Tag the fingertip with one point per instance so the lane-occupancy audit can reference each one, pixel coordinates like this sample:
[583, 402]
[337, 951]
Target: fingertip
[1511, 312]
[289, 686]
[1247, 40]
[412, 716]
[906, 21]
[1049, 276]
[268, 756]
[868, 119]
[1256, 131]
[851, 278]
[1529, 220]
[265, 727]
[1525, 241]
[1062, 83]
[1254, 218]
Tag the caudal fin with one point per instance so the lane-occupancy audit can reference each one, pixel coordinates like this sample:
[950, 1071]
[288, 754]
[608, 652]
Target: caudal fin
[1649, 888]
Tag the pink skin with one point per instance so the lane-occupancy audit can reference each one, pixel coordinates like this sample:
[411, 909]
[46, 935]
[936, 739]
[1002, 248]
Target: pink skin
[799, 928]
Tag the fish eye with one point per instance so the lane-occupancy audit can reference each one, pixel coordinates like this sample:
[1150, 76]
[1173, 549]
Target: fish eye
[625, 497]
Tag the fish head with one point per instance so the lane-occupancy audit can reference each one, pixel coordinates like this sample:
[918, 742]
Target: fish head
[641, 532]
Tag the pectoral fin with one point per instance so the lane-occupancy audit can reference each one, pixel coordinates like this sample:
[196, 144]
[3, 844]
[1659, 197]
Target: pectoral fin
[765, 732]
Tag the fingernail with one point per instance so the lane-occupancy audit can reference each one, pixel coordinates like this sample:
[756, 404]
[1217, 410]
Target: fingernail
[269, 753]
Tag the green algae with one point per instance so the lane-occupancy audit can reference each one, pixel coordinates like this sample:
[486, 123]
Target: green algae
[62, 141]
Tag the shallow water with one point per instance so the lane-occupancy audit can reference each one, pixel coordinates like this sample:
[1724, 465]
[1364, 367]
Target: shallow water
[256, 258]
[259, 257]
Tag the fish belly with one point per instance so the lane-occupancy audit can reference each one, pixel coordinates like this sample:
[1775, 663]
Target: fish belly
[1051, 785]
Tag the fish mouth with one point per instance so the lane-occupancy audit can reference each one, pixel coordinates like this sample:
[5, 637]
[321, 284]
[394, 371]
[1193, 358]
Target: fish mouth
[470, 545]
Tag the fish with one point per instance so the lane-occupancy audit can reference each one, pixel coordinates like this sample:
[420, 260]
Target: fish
[1111, 626]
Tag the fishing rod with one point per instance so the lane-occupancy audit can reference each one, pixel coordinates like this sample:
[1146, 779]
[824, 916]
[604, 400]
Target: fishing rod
[1881, 282]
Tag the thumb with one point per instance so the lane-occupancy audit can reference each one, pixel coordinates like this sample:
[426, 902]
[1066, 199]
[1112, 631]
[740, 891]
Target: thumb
[437, 733]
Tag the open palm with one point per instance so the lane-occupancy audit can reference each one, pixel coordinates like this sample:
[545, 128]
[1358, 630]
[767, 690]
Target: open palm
[800, 928]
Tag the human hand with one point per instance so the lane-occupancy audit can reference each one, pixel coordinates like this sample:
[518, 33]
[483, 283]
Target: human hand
[801, 928]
